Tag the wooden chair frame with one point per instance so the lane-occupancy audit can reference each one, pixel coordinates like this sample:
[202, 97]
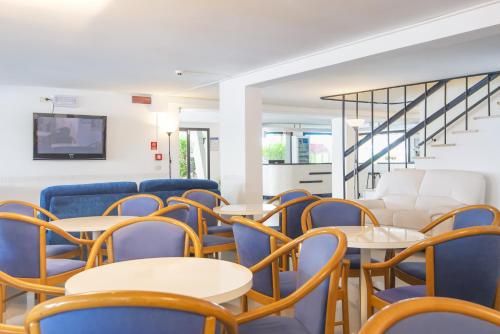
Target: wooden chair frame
[275, 240]
[7, 280]
[282, 209]
[392, 314]
[202, 224]
[427, 245]
[168, 209]
[331, 269]
[43, 227]
[218, 200]
[280, 195]
[118, 204]
[412, 280]
[212, 312]
[191, 239]
[39, 210]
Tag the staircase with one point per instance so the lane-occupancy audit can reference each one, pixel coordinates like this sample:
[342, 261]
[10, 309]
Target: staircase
[421, 123]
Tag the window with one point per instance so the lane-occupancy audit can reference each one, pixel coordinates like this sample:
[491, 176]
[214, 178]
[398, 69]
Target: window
[194, 153]
[274, 147]
[320, 147]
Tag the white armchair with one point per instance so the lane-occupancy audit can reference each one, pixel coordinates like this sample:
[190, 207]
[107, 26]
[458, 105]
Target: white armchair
[412, 198]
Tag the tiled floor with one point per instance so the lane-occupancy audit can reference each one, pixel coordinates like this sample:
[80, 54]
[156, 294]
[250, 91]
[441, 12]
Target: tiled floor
[17, 307]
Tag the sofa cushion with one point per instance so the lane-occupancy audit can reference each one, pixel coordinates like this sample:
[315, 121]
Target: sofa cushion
[461, 186]
[177, 185]
[399, 201]
[384, 216]
[400, 182]
[431, 203]
[413, 219]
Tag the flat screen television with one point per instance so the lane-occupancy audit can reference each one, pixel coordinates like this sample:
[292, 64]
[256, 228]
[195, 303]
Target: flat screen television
[75, 137]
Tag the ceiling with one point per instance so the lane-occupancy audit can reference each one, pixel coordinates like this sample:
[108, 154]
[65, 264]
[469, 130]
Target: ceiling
[471, 53]
[135, 46]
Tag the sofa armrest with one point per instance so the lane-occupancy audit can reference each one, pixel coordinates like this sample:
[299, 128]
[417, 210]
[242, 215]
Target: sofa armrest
[372, 203]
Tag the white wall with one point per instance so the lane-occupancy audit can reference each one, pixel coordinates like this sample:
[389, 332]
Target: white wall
[130, 128]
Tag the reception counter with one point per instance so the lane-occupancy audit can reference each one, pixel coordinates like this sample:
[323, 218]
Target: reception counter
[317, 178]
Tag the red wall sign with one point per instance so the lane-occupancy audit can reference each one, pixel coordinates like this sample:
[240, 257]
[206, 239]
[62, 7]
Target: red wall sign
[158, 156]
[141, 99]
[154, 145]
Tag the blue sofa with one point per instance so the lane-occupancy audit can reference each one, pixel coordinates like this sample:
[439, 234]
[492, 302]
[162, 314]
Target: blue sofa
[83, 200]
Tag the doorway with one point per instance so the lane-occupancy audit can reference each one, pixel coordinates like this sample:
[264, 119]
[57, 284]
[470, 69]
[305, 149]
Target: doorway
[194, 153]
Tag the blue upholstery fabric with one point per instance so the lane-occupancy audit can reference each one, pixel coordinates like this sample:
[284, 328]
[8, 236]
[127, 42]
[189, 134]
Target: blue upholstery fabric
[475, 217]
[207, 200]
[147, 240]
[293, 218]
[18, 208]
[179, 214]
[253, 246]
[19, 248]
[355, 260]
[53, 250]
[288, 282]
[442, 322]
[59, 266]
[123, 320]
[166, 188]
[192, 216]
[292, 195]
[416, 269]
[220, 229]
[273, 325]
[401, 293]
[315, 253]
[468, 268]
[216, 240]
[141, 206]
[336, 214]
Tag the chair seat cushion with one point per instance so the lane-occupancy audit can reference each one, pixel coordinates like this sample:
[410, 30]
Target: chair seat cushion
[54, 250]
[355, 260]
[60, 266]
[288, 282]
[405, 292]
[415, 269]
[273, 325]
[220, 229]
[216, 240]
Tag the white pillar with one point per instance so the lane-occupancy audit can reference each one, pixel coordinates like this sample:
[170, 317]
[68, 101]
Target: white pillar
[337, 158]
[241, 142]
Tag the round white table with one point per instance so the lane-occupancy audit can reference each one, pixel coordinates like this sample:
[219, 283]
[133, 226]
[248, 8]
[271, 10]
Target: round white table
[96, 224]
[213, 280]
[367, 238]
[248, 210]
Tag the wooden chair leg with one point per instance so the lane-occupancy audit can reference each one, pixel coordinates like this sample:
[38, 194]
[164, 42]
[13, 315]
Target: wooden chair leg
[244, 303]
[3, 301]
[370, 308]
[345, 312]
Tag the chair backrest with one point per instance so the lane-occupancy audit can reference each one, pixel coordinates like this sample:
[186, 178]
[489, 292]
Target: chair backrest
[146, 237]
[476, 215]
[21, 242]
[208, 199]
[433, 315]
[289, 195]
[136, 205]
[178, 212]
[128, 312]
[254, 242]
[291, 216]
[465, 264]
[25, 208]
[335, 212]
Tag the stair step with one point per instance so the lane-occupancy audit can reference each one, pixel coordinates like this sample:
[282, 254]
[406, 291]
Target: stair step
[465, 131]
[443, 145]
[424, 158]
[486, 117]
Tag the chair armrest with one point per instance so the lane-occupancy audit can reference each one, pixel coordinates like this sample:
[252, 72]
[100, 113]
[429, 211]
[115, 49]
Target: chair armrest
[444, 212]
[372, 203]
[11, 329]
[32, 287]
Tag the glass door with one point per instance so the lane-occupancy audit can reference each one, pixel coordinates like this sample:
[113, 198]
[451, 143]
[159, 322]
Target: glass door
[194, 153]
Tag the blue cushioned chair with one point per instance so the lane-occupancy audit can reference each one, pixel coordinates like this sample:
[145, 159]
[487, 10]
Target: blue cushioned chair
[61, 251]
[314, 300]
[288, 195]
[210, 199]
[129, 312]
[7, 280]
[146, 237]
[211, 243]
[462, 264]
[433, 315]
[135, 205]
[178, 212]
[341, 212]
[469, 216]
[290, 214]
[22, 251]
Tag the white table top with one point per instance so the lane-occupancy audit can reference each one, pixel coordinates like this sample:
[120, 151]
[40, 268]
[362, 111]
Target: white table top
[89, 224]
[213, 280]
[384, 237]
[244, 209]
